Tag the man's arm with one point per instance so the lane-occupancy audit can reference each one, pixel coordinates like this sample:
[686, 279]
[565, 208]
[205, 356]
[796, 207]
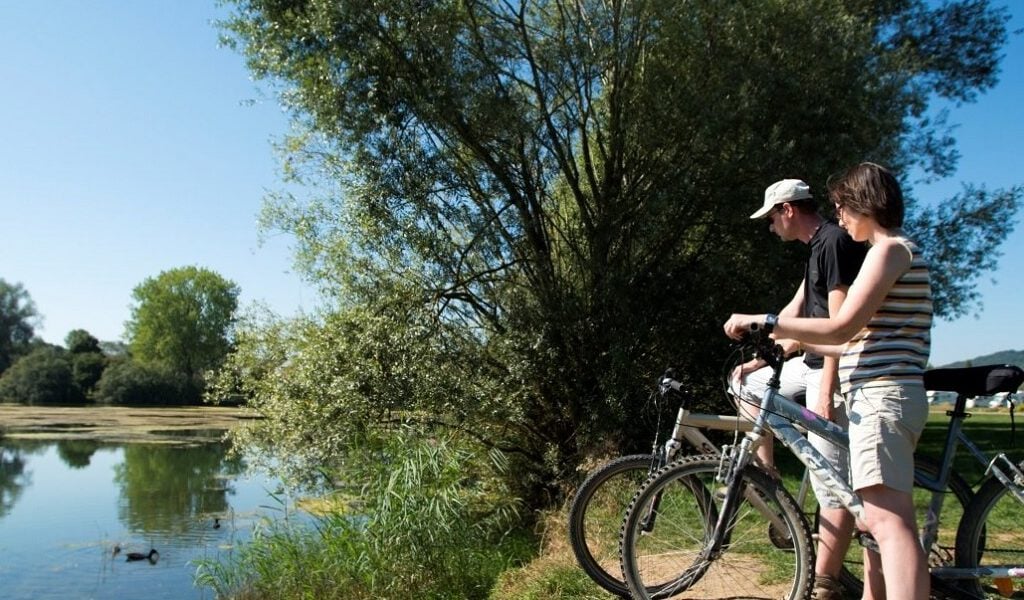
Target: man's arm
[830, 368]
[793, 308]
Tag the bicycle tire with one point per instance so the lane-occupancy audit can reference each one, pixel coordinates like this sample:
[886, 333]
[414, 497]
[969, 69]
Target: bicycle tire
[596, 513]
[942, 552]
[672, 559]
[990, 535]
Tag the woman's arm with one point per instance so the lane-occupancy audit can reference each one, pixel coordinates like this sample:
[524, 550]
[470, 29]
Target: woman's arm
[883, 265]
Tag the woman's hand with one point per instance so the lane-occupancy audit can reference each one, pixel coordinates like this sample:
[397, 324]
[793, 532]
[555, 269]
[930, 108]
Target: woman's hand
[739, 325]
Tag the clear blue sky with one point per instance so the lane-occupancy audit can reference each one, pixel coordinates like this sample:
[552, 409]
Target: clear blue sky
[129, 145]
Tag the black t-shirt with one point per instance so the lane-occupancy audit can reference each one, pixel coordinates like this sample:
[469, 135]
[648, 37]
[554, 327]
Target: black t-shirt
[835, 260]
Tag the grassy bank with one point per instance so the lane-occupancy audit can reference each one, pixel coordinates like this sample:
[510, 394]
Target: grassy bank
[434, 521]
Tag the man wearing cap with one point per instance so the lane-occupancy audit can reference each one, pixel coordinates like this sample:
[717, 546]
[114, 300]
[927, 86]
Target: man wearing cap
[832, 266]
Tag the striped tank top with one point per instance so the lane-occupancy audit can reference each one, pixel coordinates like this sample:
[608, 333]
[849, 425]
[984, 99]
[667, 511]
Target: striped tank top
[895, 344]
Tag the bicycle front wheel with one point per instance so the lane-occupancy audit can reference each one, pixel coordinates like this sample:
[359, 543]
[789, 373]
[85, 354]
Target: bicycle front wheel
[596, 514]
[990, 537]
[766, 552]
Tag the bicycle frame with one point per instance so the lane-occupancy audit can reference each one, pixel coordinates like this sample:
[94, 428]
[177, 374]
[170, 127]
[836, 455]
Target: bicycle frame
[1011, 478]
[780, 416]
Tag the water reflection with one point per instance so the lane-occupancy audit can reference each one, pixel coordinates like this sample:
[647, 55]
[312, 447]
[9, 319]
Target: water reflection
[77, 453]
[172, 489]
[65, 506]
[12, 478]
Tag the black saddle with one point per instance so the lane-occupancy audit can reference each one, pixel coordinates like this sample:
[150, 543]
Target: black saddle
[967, 382]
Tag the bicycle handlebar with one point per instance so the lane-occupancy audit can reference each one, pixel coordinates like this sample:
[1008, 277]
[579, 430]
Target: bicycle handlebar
[759, 339]
[764, 346]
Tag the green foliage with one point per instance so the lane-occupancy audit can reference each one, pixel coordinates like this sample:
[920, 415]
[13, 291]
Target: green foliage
[127, 382]
[430, 518]
[182, 319]
[545, 203]
[86, 370]
[323, 383]
[17, 315]
[87, 360]
[44, 376]
[963, 235]
[80, 340]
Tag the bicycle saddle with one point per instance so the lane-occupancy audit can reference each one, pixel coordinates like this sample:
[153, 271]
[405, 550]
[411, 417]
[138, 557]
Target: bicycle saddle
[968, 382]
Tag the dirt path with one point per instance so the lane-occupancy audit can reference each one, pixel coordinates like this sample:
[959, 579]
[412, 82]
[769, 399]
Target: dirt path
[120, 424]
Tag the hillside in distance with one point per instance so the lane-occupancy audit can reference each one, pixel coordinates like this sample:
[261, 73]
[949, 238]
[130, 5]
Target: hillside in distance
[1004, 357]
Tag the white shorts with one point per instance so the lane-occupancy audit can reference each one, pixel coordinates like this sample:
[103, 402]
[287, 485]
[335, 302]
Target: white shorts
[796, 379]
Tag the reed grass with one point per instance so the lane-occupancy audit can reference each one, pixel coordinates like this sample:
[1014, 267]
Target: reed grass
[430, 518]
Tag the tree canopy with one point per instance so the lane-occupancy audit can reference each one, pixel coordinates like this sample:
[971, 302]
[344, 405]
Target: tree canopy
[43, 376]
[545, 202]
[182, 320]
[17, 319]
[79, 340]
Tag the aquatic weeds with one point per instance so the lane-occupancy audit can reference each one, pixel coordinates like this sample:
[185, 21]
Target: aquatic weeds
[430, 518]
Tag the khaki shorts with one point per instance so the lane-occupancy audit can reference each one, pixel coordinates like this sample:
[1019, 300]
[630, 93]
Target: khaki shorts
[886, 420]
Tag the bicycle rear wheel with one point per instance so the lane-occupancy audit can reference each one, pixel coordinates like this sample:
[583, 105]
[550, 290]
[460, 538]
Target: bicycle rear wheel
[991, 536]
[595, 517]
[673, 558]
[942, 551]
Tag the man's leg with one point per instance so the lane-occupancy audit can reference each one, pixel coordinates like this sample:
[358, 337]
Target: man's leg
[749, 392]
[835, 523]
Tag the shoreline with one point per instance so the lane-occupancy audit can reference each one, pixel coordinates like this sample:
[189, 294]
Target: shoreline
[158, 424]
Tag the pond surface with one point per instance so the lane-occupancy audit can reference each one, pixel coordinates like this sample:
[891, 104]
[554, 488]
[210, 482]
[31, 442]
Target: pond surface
[72, 509]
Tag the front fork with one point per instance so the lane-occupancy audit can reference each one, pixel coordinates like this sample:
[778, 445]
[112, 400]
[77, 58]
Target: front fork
[730, 473]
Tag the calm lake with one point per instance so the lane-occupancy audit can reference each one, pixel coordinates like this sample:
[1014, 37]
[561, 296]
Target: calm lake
[73, 505]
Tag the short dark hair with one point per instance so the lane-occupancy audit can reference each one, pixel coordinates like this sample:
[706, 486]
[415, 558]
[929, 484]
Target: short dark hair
[869, 189]
[808, 205]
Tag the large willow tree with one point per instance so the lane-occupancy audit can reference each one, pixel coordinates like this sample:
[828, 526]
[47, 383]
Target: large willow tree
[526, 209]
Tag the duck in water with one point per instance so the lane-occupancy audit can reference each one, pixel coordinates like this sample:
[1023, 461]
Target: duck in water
[151, 557]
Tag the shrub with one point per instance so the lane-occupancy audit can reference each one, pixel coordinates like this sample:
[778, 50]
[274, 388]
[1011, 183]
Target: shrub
[44, 376]
[130, 382]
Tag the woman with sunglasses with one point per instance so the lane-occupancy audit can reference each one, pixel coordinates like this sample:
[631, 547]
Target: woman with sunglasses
[882, 336]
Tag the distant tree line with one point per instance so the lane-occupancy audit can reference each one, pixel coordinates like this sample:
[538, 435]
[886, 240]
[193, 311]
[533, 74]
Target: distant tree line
[179, 330]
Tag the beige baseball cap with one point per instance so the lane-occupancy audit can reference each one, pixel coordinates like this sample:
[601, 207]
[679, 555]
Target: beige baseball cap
[787, 190]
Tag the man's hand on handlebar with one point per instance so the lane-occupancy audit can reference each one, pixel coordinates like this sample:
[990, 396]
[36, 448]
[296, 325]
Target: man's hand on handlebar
[740, 371]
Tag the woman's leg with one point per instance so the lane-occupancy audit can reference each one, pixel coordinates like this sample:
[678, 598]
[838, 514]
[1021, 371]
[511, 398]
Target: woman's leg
[889, 517]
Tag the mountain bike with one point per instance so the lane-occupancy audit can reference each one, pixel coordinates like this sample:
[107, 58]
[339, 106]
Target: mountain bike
[600, 503]
[735, 548]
